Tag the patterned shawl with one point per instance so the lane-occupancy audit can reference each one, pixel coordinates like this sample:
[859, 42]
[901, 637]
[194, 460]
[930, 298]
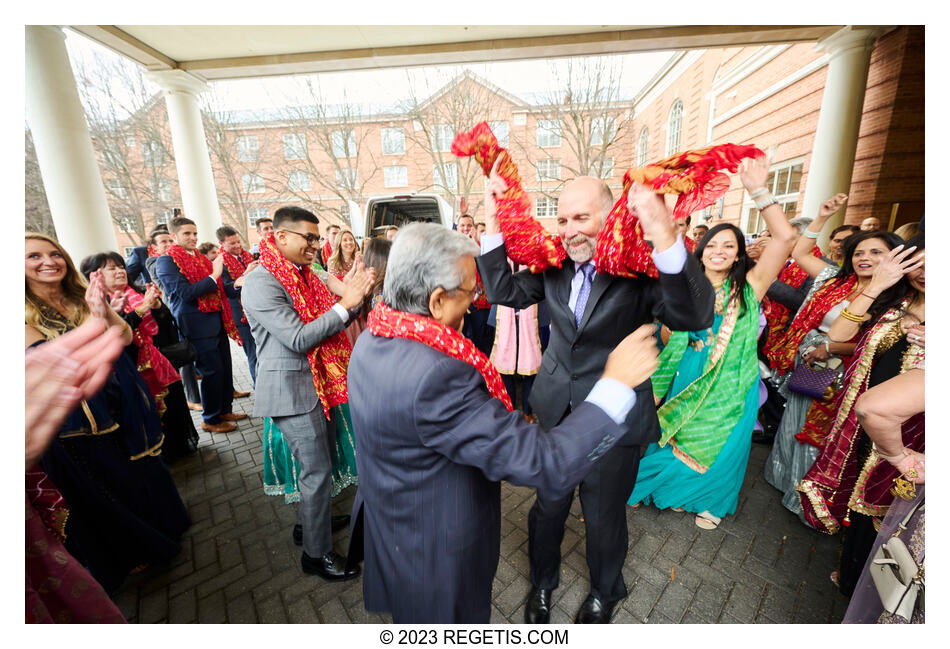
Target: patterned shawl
[195, 267]
[311, 299]
[621, 248]
[152, 364]
[386, 322]
[698, 420]
[835, 484]
[236, 267]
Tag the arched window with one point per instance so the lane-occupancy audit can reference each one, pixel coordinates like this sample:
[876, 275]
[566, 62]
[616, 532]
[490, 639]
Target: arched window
[674, 127]
[642, 147]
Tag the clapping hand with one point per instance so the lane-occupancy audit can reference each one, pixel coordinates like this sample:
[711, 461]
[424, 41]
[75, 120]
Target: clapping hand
[117, 302]
[356, 285]
[150, 299]
[97, 298]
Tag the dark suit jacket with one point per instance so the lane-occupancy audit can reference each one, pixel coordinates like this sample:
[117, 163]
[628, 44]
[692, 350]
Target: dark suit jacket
[234, 295]
[575, 356]
[181, 296]
[431, 448]
[135, 265]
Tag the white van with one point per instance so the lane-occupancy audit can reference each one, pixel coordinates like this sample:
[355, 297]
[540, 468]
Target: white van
[399, 209]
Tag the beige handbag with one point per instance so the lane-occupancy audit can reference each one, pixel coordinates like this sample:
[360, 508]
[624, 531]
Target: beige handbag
[897, 577]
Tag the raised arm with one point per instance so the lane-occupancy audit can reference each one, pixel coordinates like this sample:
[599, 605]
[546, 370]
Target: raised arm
[801, 253]
[753, 173]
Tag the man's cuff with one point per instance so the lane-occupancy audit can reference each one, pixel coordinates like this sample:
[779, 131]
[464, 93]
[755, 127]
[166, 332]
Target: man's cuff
[673, 259]
[614, 398]
[492, 241]
[342, 312]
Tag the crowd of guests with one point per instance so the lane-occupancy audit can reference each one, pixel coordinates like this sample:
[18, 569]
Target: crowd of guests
[769, 339]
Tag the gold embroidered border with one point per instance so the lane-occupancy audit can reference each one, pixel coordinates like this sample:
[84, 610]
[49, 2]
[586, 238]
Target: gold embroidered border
[154, 451]
[810, 490]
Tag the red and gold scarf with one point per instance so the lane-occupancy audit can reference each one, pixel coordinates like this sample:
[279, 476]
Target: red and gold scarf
[621, 248]
[386, 322]
[152, 252]
[311, 299]
[236, 267]
[196, 267]
[776, 313]
[782, 349]
[152, 364]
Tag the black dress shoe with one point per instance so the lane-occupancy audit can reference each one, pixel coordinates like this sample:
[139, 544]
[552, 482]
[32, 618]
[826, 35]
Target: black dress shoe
[537, 610]
[330, 566]
[336, 523]
[594, 611]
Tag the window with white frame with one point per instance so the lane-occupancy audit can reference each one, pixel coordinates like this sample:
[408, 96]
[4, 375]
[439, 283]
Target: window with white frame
[248, 148]
[674, 127]
[256, 213]
[500, 129]
[784, 181]
[603, 168]
[345, 212]
[445, 176]
[546, 207]
[348, 177]
[643, 147]
[395, 176]
[252, 183]
[442, 137]
[153, 153]
[161, 189]
[602, 129]
[394, 141]
[163, 217]
[127, 251]
[549, 132]
[117, 189]
[344, 143]
[549, 169]
[298, 181]
[295, 146]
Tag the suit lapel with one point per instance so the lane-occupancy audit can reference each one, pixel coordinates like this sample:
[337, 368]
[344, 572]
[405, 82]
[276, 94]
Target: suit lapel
[597, 288]
[563, 286]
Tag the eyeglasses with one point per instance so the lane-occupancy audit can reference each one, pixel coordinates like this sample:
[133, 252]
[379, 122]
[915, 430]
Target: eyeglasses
[313, 240]
[475, 292]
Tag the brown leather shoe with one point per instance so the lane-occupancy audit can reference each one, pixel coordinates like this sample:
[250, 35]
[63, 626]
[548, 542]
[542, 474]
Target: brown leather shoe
[194, 406]
[233, 416]
[223, 427]
[239, 395]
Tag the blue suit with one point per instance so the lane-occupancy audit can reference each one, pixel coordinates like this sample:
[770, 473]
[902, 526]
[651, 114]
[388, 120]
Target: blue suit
[206, 333]
[135, 265]
[244, 329]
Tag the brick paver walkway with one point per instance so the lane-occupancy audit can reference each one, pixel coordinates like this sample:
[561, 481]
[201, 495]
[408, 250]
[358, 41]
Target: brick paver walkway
[239, 563]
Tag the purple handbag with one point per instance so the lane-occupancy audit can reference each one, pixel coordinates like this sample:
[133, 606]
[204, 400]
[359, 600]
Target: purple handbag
[811, 382]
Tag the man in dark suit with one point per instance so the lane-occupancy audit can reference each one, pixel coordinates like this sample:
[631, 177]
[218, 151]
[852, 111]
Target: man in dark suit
[432, 443]
[205, 330]
[238, 263]
[590, 314]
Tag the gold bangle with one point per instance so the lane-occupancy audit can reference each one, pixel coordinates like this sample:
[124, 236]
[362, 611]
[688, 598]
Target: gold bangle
[847, 315]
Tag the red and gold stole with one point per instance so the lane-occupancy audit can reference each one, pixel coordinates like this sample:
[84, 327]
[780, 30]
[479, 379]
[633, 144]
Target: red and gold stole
[152, 364]
[782, 349]
[311, 299]
[621, 248]
[152, 252]
[386, 322]
[235, 266]
[195, 267]
[776, 313]
[689, 243]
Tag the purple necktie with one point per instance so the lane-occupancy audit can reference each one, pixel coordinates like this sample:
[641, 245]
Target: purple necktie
[588, 270]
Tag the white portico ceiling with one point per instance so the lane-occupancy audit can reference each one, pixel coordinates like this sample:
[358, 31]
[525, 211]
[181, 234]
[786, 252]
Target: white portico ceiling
[239, 51]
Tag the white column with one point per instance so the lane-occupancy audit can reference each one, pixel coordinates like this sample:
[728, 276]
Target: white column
[68, 165]
[842, 105]
[198, 194]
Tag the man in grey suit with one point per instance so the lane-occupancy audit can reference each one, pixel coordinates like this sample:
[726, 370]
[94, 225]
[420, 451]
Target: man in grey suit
[285, 385]
[590, 313]
[432, 443]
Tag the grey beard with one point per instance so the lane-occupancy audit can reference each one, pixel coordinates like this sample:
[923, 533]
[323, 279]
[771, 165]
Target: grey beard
[584, 254]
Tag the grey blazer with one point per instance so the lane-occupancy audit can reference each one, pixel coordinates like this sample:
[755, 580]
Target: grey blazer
[284, 381]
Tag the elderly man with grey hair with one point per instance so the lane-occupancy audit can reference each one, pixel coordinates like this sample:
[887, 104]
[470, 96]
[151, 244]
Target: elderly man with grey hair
[434, 436]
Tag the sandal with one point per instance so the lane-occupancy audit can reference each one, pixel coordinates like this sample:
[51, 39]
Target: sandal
[635, 506]
[677, 509]
[707, 521]
[834, 578]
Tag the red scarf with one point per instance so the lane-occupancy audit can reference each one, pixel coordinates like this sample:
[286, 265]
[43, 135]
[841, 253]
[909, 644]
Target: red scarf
[621, 248]
[196, 267]
[782, 349]
[388, 323]
[152, 252]
[152, 364]
[326, 252]
[776, 313]
[689, 243]
[311, 299]
[236, 267]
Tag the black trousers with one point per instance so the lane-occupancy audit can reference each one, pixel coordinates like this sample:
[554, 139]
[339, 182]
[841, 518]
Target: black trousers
[603, 495]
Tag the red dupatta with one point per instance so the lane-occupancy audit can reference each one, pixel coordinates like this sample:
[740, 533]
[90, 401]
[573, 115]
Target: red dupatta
[386, 322]
[311, 299]
[237, 267]
[157, 371]
[195, 267]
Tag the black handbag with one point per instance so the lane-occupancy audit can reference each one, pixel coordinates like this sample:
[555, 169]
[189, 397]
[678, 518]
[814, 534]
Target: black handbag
[179, 354]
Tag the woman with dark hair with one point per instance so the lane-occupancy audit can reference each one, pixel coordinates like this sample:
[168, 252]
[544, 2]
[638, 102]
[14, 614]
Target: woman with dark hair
[807, 420]
[852, 483]
[709, 381]
[375, 255]
[124, 508]
[152, 327]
